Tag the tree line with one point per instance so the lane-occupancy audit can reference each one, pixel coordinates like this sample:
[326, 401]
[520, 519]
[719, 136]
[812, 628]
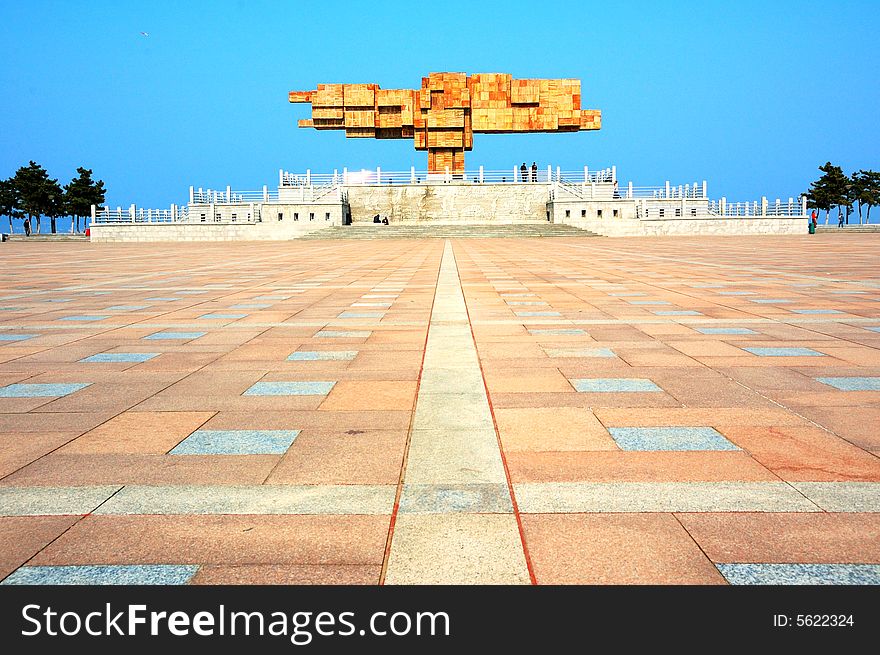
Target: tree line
[836, 189]
[31, 194]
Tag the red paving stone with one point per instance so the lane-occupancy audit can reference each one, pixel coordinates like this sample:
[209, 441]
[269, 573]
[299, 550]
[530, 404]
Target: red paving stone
[804, 538]
[805, 453]
[342, 457]
[119, 430]
[615, 549]
[63, 470]
[221, 540]
[635, 466]
[139, 432]
[22, 537]
[21, 448]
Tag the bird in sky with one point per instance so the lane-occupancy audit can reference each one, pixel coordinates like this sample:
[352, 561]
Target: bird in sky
[145, 34]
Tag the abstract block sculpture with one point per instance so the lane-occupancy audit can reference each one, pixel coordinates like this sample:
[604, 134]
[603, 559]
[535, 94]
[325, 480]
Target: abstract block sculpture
[443, 115]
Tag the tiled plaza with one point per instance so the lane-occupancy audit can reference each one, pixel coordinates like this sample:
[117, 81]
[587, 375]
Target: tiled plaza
[513, 411]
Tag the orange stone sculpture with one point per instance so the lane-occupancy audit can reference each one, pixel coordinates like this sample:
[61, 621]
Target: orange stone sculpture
[443, 115]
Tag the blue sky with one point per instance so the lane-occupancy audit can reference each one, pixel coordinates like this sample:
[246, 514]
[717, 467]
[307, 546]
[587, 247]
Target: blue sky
[751, 96]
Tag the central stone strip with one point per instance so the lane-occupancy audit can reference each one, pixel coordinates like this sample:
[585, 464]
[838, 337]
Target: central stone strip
[455, 523]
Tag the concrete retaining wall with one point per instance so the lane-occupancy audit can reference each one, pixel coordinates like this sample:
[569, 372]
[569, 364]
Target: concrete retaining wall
[617, 218]
[455, 202]
[571, 211]
[452, 203]
[631, 227]
[295, 220]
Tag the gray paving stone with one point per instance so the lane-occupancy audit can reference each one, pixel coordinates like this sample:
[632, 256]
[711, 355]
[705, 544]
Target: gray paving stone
[53, 501]
[853, 383]
[103, 574]
[842, 496]
[801, 574]
[445, 498]
[252, 499]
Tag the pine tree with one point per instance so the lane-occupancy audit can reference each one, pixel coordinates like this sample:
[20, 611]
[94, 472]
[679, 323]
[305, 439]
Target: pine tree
[866, 191]
[830, 190]
[81, 193]
[38, 194]
[9, 202]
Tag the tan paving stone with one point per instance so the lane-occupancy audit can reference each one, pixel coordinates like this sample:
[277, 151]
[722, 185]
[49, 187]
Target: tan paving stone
[552, 429]
[371, 395]
[456, 549]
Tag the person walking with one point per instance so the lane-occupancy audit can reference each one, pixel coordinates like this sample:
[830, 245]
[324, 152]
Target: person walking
[839, 217]
[534, 171]
[524, 173]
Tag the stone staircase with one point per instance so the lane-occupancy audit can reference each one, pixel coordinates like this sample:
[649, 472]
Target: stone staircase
[846, 229]
[436, 231]
[45, 237]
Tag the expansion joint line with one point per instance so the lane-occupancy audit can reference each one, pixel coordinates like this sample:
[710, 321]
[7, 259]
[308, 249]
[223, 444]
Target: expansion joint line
[516, 513]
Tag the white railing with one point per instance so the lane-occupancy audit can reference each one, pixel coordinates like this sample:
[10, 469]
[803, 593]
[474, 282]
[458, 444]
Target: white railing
[608, 190]
[207, 196]
[481, 175]
[293, 191]
[648, 209]
[176, 214]
[132, 214]
[762, 207]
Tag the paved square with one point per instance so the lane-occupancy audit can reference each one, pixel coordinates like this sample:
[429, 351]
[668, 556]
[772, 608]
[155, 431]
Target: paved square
[557, 411]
